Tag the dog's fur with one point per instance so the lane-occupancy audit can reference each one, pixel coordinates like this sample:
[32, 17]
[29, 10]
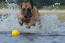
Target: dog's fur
[34, 15]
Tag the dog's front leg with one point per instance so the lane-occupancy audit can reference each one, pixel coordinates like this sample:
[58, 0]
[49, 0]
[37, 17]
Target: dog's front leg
[40, 23]
[20, 21]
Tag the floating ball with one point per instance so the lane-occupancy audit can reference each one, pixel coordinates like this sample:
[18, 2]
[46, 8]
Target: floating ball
[15, 32]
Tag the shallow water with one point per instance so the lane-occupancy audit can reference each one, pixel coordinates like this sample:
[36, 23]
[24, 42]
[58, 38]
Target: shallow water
[53, 31]
[34, 38]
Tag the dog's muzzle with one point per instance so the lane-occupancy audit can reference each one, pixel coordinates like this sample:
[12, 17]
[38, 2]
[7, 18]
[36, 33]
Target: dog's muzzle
[26, 17]
[27, 13]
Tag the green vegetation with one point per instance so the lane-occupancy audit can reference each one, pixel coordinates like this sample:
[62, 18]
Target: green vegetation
[2, 5]
[41, 3]
[38, 3]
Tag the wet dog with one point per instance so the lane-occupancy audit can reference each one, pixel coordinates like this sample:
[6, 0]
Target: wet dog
[29, 14]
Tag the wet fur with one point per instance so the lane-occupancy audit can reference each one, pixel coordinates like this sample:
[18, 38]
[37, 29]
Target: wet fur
[34, 12]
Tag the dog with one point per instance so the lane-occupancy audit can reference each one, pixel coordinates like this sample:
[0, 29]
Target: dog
[29, 14]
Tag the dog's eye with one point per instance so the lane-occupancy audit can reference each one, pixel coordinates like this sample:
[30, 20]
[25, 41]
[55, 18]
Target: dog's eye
[29, 9]
[23, 9]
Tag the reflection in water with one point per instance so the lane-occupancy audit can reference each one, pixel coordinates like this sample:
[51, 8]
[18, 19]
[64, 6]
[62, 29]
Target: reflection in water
[33, 38]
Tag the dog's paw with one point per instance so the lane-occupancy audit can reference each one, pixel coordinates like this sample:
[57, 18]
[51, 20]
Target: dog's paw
[33, 24]
[21, 24]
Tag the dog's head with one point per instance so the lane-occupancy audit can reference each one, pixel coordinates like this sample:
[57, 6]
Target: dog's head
[26, 8]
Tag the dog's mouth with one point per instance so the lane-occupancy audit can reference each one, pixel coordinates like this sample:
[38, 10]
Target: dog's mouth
[27, 17]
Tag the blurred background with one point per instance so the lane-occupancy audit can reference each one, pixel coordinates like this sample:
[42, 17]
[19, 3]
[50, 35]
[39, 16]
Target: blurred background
[44, 4]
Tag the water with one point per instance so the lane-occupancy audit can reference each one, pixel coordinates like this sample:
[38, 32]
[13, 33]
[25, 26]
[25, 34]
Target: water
[52, 30]
[7, 38]
[9, 21]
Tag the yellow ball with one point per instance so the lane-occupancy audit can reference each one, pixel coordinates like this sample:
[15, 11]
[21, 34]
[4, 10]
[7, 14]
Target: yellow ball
[15, 32]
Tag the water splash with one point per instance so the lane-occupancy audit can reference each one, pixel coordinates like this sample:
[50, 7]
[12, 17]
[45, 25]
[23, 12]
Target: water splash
[9, 21]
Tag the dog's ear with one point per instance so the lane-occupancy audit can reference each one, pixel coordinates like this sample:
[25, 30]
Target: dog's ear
[31, 3]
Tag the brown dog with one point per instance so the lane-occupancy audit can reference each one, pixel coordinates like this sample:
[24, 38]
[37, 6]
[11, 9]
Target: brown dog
[29, 14]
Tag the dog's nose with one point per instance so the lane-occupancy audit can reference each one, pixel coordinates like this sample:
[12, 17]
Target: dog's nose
[25, 16]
